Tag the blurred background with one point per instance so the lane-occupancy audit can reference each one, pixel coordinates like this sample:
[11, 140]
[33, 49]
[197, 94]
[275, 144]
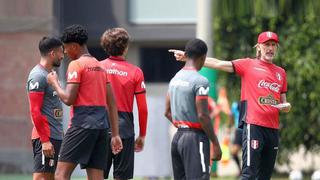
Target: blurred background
[230, 28]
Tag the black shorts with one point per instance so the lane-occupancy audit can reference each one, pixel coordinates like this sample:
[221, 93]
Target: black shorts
[238, 137]
[190, 151]
[123, 162]
[87, 147]
[41, 163]
[259, 152]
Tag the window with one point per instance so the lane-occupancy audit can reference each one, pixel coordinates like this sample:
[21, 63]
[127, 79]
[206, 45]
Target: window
[162, 12]
[158, 64]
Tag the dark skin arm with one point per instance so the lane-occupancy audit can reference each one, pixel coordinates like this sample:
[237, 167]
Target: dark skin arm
[205, 121]
[67, 96]
[167, 112]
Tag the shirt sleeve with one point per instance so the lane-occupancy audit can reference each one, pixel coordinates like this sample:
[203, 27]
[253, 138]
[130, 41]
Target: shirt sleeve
[284, 85]
[240, 66]
[37, 83]
[202, 88]
[140, 85]
[74, 72]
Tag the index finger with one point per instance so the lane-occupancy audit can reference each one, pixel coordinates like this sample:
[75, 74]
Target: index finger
[173, 50]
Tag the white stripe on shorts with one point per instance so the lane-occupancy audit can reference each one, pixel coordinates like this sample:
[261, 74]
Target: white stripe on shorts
[43, 158]
[248, 144]
[202, 157]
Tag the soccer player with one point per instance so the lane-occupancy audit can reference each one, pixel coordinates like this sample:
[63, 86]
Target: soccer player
[187, 109]
[45, 110]
[90, 94]
[263, 96]
[127, 81]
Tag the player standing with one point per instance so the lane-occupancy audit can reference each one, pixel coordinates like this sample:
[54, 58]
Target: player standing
[127, 81]
[90, 94]
[263, 95]
[45, 110]
[187, 109]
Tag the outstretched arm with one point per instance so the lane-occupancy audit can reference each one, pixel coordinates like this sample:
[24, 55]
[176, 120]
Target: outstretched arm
[210, 62]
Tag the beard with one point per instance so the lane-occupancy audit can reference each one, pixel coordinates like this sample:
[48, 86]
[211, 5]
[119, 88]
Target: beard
[56, 63]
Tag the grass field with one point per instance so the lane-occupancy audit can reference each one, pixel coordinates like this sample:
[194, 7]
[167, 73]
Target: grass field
[29, 177]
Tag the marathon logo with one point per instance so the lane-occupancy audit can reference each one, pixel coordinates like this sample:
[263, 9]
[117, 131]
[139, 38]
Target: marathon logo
[117, 72]
[269, 100]
[58, 113]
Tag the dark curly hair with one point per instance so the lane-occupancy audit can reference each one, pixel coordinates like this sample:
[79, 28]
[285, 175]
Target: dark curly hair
[76, 34]
[114, 41]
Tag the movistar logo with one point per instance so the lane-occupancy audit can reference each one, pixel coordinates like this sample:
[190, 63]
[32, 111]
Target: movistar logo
[203, 91]
[34, 85]
[72, 75]
[143, 85]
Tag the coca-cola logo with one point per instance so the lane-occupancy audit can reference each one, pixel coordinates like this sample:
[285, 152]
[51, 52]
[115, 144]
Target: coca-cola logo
[268, 85]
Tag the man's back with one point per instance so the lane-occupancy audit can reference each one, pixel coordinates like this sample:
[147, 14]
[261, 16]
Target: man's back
[183, 89]
[126, 80]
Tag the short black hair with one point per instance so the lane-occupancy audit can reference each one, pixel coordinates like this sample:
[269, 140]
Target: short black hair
[46, 44]
[76, 34]
[195, 48]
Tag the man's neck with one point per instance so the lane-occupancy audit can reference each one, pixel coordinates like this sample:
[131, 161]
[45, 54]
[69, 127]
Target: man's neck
[83, 51]
[45, 64]
[190, 64]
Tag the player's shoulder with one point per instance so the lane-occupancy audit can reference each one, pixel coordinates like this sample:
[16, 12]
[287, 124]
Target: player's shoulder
[38, 73]
[200, 79]
[281, 69]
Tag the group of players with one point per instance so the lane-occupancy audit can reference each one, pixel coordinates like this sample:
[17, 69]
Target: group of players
[101, 94]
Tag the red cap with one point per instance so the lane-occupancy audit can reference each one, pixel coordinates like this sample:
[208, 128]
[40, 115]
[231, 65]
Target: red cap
[266, 36]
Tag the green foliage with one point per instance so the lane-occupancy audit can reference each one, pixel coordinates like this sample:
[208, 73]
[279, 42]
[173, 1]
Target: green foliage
[236, 26]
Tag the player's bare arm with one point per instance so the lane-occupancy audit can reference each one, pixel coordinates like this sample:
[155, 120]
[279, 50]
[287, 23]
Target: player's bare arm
[205, 121]
[167, 112]
[116, 143]
[67, 96]
[210, 62]
[143, 116]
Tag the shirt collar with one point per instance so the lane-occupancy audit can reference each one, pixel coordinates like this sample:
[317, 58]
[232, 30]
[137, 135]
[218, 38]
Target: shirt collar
[116, 58]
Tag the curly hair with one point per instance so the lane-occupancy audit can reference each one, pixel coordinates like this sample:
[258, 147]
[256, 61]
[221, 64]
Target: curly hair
[76, 34]
[114, 41]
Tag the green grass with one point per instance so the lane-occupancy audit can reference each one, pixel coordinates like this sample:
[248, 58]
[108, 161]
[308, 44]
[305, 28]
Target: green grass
[29, 177]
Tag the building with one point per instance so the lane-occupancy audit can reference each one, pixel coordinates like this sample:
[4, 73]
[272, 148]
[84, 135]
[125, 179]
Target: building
[155, 26]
